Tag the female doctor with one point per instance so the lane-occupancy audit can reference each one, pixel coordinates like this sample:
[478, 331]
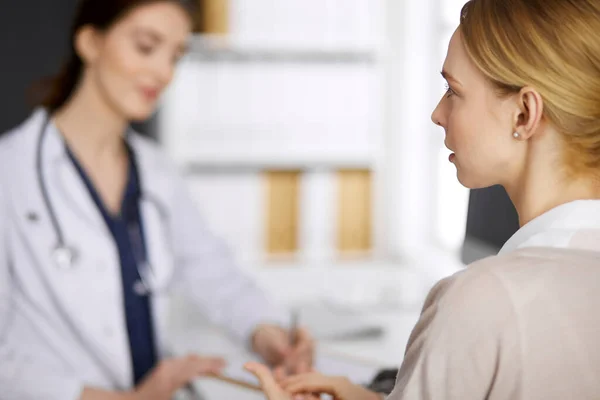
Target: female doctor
[96, 227]
[522, 110]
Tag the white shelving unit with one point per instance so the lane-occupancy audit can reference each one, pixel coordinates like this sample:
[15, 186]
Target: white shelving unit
[301, 92]
[235, 107]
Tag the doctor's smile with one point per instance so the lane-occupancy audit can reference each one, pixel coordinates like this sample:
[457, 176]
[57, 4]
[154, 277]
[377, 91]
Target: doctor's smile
[150, 94]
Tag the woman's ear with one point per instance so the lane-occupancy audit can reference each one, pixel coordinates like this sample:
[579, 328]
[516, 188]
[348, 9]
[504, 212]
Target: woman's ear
[87, 44]
[530, 109]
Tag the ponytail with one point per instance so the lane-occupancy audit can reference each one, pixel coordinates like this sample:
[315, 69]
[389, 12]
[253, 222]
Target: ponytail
[59, 88]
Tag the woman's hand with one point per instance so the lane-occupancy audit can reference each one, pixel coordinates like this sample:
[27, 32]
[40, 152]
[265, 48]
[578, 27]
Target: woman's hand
[267, 381]
[272, 389]
[338, 387]
[308, 386]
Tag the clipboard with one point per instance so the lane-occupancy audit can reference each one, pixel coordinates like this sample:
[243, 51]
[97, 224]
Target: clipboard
[238, 382]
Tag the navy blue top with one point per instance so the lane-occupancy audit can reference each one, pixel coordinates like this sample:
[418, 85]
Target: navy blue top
[127, 231]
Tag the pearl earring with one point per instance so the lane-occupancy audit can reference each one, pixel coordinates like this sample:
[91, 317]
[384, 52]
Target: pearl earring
[516, 135]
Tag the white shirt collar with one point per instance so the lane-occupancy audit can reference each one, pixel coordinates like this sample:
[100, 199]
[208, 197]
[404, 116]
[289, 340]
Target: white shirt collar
[556, 227]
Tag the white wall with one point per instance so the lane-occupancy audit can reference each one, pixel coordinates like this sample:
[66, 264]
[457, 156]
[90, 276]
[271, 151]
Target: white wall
[427, 203]
[451, 197]
[410, 99]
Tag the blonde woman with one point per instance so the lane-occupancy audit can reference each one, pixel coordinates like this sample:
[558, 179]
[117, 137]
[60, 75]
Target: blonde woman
[522, 110]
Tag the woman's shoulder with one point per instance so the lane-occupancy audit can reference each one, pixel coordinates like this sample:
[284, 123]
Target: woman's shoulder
[464, 308]
[530, 263]
[509, 280]
[476, 286]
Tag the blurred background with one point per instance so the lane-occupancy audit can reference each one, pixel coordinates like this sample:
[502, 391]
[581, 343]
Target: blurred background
[303, 130]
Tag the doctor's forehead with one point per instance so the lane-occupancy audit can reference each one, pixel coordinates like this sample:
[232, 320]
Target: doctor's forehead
[160, 20]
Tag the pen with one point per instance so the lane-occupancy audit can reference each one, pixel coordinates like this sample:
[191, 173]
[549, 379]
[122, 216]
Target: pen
[293, 337]
[294, 329]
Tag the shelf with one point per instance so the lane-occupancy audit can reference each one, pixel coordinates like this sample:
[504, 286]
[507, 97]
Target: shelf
[214, 49]
[230, 164]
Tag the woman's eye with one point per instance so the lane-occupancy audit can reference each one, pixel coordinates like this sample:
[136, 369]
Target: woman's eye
[449, 91]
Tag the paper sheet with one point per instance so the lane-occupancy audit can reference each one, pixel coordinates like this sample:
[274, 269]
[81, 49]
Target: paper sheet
[327, 323]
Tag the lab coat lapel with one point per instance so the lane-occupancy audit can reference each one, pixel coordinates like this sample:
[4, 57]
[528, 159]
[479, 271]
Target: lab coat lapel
[161, 266]
[88, 296]
[72, 188]
[154, 213]
[154, 209]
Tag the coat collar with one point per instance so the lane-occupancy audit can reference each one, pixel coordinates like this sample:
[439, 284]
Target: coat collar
[57, 166]
[557, 227]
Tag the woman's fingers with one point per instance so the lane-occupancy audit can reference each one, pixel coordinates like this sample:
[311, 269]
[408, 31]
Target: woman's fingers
[310, 383]
[267, 381]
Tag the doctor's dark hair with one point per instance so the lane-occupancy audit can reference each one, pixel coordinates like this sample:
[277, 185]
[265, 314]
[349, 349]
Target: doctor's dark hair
[553, 47]
[102, 15]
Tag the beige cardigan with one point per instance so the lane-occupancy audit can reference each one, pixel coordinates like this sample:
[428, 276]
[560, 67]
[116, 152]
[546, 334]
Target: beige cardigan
[521, 325]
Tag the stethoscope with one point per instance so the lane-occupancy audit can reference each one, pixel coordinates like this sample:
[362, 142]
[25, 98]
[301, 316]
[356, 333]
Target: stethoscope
[65, 257]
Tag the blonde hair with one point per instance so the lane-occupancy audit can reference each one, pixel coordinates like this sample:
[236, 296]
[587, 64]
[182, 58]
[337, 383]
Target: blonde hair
[552, 46]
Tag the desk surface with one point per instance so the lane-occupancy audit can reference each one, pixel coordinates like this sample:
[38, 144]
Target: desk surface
[293, 286]
[385, 351]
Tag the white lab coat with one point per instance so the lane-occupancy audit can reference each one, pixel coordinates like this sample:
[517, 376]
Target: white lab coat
[63, 330]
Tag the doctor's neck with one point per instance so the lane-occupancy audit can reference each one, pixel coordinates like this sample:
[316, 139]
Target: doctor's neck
[90, 126]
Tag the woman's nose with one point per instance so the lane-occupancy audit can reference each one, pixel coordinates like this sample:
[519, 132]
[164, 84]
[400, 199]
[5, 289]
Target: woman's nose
[436, 117]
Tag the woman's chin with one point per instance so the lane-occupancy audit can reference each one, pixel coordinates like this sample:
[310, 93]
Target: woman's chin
[470, 181]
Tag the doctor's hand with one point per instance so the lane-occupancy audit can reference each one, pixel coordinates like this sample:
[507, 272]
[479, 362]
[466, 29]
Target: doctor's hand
[172, 374]
[273, 344]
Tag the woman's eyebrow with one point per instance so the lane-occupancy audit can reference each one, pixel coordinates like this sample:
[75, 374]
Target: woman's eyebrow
[447, 76]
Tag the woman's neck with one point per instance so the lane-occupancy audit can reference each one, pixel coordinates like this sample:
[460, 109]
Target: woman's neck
[542, 189]
[91, 128]
[540, 181]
